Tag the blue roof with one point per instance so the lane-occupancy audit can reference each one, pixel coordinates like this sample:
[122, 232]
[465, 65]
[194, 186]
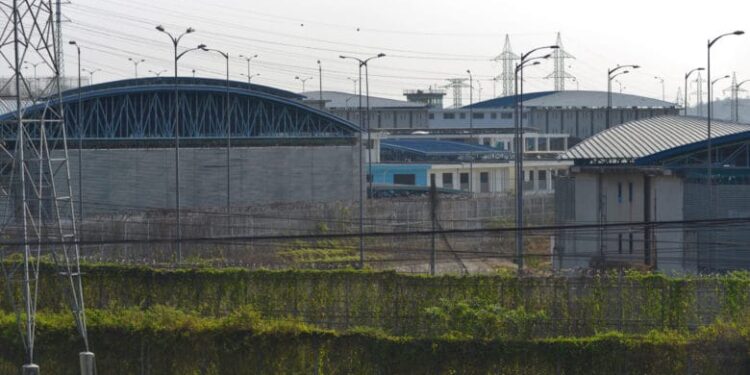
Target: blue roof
[508, 101]
[436, 148]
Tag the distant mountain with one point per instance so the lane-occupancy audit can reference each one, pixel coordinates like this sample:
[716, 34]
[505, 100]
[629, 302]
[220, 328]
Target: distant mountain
[722, 110]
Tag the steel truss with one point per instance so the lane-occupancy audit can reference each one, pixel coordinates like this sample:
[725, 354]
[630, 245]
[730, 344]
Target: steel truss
[38, 210]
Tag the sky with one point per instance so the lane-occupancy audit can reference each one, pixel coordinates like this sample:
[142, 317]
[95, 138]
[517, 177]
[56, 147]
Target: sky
[425, 41]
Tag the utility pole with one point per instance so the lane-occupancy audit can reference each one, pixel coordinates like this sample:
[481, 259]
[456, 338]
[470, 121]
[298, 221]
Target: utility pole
[433, 216]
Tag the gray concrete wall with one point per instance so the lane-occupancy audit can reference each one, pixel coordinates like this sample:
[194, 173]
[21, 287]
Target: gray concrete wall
[127, 179]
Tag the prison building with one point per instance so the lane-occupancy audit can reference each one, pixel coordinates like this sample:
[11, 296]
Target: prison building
[384, 113]
[248, 142]
[631, 179]
[579, 114]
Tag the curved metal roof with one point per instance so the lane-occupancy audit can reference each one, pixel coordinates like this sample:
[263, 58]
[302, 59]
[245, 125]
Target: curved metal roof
[639, 139]
[165, 86]
[574, 99]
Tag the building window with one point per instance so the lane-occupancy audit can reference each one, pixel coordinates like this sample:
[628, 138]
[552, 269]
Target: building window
[542, 177]
[431, 116]
[432, 180]
[530, 144]
[478, 116]
[448, 180]
[404, 179]
[484, 182]
[528, 183]
[619, 243]
[462, 115]
[464, 181]
[449, 116]
[493, 115]
[630, 192]
[619, 192]
[506, 115]
[557, 144]
[542, 144]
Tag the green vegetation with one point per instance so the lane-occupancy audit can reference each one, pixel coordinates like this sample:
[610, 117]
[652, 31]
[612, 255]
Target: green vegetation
[234, 321]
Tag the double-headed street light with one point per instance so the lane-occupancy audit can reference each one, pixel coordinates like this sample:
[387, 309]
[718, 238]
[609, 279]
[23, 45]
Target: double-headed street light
[158, 74]
[524, 62]
[687, 75]
[175, 42]
[611, 74]
[91, 73]
[250, 77]
[247, 59]
[135, 64]
[363, 63]
[303, 80]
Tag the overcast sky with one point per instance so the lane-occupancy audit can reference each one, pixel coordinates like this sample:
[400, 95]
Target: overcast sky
[426, 41]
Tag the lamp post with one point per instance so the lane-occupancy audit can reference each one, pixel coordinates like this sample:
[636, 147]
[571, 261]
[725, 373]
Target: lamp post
[610, 77]
[303, 80]
[247, 59]
[158, 74]
[687, 75]
[471, 130]
[79, 118]
[617, 81]
[135, 64]
[320, 85]
[578, 87]
[663, 90]
[354, 81]
[523, 62]
[175, 42]
[250, 77]
[737, 100]
[228, 127]
[91, 73]
[363, 63]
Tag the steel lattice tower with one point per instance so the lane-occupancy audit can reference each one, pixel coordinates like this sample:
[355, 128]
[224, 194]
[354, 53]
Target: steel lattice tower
[36, 197]
[508, 59]
[559, 74]
[734, 92]
[457, 85]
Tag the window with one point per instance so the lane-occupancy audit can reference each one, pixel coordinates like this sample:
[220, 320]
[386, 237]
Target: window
[557, 144]
[462, 115]
[528, 183]
[448, 180]
[404, 179]
[542, 177]
[619, 192]
[630, 192]
[432, 180]
[493, 115]
[542, 144]
[464, 181]
[530, 144]
[478, 116]
[484, 182]
[619, 243]
[449, 116]
[431, 116]
[506, 115]
[486, 141]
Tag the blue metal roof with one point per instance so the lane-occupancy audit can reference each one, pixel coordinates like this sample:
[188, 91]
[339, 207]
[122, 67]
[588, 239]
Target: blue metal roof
[436, 148]
[508, 101]
[692, 147]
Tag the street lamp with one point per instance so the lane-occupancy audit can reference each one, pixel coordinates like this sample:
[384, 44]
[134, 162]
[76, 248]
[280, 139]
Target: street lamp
[248, 58]
[354, 81]
[617, 81]
[250, 77]
[610, 77]
[175, 42]
[708, 120]
[135, 64]
[225, 55]
[158, 74]
[363, 63]
[687, 75]
[303, 80]
[523, 62]
[91, 73]
[737, 100]
[320, 84]
[663, 92]
[471, 129]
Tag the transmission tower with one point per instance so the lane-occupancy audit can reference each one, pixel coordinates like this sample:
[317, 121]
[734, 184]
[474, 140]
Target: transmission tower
[35, 192]
[457, 85]
[699, 94]
[734, 91]
[678, 98]
[559, 74]
[508, 59]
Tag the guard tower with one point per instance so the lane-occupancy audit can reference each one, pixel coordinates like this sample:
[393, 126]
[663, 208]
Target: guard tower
[433, 98]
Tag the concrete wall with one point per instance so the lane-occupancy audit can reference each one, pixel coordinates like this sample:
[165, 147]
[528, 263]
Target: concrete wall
[387, 118]
[126, 179]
